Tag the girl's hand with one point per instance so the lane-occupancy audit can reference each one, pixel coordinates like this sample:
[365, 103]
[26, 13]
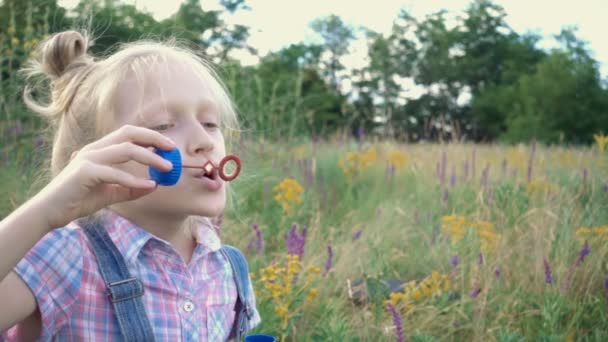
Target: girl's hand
[90, 181]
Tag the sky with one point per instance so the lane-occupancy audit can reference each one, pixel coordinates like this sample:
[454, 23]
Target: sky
[277, 23]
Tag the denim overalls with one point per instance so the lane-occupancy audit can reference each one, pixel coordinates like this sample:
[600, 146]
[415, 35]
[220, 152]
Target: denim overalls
[125, 291]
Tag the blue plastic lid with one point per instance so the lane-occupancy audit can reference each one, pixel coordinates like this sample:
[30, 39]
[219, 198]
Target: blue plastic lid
[260, 338]
[171, 177]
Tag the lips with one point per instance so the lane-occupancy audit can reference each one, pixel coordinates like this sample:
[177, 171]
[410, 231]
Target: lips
[214, 175]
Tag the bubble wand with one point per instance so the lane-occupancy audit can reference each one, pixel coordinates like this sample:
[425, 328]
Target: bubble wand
[228, 168]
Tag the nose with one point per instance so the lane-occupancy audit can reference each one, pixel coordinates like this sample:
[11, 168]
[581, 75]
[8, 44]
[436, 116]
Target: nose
[199, 140]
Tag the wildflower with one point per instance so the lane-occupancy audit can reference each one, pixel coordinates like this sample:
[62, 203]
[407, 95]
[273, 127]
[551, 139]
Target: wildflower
[357, 235]
[330, 257]
[548, 275]
[259, 241]
[454, 261]
[397, 322]
[288, 193]
[497, 272]
[397, 159]
[606, 288]
[475, 292]
[295, 242]
[531, 160]
[585, 250]
[601, 141]
[453, 177]
[484, 175]
[480, 259]
[312, 294]
[443, 166]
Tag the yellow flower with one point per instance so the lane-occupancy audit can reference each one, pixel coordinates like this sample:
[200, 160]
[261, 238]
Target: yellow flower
[312, 294]
[601, 140]
[397, 158]
[288, 193]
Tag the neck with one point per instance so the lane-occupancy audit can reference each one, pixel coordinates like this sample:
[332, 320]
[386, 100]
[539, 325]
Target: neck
[173, 229]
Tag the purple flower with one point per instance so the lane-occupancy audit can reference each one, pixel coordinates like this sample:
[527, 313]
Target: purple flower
[357, 235]
[330, 259]
[605, 187]
[606, 289]
[473, 173]
[484, 175]
[444, 161]
[295, 242]
[585, 250]
[475, 292]
[497, 271]
[548, 274]
[480, 259]
[258, 241]
[531, 160]
[454, 261]
[397, 321]
[585, 176]
[453, 177]
[259, 246]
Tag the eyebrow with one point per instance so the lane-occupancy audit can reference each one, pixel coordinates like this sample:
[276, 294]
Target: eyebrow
[171, 108]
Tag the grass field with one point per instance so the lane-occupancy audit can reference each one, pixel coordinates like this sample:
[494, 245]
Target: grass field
[377, 241]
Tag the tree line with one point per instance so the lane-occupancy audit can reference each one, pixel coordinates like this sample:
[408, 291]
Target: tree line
[441, 77]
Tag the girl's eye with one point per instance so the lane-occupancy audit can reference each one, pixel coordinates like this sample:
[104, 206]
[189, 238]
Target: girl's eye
[211, 125]
[162, 127]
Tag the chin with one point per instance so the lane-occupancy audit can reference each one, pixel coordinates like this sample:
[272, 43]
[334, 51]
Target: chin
[208, 209]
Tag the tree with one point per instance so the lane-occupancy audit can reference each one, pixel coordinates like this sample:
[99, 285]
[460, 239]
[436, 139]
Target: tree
[336, 40]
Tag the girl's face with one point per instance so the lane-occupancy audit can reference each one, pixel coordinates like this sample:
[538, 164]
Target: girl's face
[174, 100]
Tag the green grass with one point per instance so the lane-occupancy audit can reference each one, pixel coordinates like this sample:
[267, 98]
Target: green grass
[402, 239]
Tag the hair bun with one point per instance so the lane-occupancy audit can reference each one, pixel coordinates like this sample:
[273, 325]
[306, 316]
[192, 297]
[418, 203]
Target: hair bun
[64, 51]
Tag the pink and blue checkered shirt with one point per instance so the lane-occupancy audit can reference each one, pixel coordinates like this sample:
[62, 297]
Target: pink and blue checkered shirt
[184, 302]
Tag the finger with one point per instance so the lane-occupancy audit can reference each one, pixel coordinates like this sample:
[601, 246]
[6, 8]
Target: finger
[138, 135]
[127, 151]
[119, 193]
[110, 175]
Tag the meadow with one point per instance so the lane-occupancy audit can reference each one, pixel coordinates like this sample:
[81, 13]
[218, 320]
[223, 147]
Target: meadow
[379, 241]
[373, 240]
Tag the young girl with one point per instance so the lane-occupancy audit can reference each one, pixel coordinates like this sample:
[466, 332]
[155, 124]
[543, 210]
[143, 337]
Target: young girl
[176, 282]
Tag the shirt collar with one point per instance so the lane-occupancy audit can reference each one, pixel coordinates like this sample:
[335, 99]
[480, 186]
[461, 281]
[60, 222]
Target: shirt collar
[130, 238]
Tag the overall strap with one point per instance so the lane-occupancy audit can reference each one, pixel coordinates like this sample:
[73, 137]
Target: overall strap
[244, 312]
[124, 291]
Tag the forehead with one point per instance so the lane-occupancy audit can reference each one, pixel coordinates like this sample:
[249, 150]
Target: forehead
[163, 86]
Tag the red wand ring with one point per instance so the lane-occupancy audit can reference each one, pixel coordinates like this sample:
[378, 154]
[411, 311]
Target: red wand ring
[209, 167]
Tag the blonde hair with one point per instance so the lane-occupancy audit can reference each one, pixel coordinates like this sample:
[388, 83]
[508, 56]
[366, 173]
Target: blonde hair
[81, 109]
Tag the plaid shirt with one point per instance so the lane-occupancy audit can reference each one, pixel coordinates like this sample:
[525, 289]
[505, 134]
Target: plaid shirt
[193, 302]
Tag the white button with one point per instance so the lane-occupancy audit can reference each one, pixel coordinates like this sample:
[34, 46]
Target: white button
[188, 306]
